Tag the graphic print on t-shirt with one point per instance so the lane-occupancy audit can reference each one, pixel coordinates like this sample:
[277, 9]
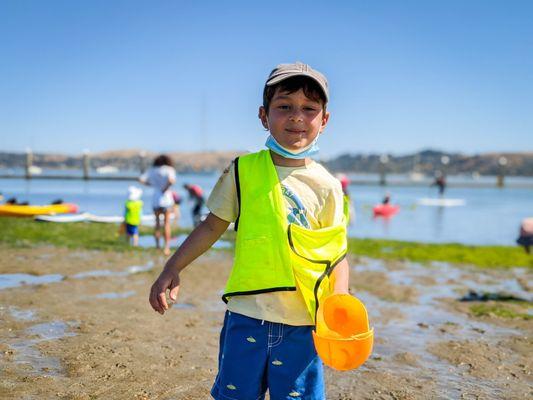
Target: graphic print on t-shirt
[297, 214]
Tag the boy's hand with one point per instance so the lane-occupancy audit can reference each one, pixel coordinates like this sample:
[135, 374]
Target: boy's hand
[167, 280]
[199, 241]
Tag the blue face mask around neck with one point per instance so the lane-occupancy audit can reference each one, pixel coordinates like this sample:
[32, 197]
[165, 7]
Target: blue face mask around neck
[309, 151]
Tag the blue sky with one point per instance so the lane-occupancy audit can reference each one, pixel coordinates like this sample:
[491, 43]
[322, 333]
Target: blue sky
[188, 75]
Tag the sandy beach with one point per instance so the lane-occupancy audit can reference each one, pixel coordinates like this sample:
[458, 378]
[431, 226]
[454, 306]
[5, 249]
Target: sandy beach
[79, 326]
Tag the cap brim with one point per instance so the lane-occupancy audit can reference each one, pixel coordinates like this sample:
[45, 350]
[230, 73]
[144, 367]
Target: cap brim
[288, 75]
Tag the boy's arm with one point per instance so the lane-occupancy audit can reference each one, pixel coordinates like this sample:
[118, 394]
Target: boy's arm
[341, 274]
[197, 243]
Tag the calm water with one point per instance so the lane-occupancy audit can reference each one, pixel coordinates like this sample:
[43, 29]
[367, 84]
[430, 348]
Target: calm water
[490, 215]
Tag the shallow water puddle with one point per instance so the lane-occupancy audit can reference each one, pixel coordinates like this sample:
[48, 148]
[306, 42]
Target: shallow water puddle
[27, 353]
[17, 313]
[419, 325]
[22, 315]
[148, 241]
[16, 280]
[450, 281]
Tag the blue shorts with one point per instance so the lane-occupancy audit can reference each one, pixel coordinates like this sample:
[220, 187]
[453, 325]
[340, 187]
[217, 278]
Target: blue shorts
[132, 229]
[258, 355]
[161, 210]
[526, 240]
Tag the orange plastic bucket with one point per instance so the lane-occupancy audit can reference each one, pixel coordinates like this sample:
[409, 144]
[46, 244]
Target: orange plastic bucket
[345, 315]
[343, 339]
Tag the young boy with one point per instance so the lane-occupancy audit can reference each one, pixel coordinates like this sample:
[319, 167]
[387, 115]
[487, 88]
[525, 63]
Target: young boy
[132, 214]
[289, 252]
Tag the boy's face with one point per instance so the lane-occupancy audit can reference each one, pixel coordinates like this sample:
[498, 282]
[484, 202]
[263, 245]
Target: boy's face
[293, 119]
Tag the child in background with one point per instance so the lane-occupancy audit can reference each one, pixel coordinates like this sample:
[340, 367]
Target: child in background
[289, 252]
[196, 194]
[132, 214]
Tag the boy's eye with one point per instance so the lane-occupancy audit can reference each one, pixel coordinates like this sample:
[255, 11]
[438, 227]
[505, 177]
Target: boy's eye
[283, 107]
[309, 108]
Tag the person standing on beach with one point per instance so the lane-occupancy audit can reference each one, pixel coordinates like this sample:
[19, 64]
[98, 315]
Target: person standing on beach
[525, 238]
[196, 194]
[161, 176]
[284, 206]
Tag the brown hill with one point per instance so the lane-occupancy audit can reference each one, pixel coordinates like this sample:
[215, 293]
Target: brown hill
[427, 161]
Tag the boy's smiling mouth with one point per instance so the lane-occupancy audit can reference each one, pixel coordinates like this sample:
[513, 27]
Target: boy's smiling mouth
[297, 131]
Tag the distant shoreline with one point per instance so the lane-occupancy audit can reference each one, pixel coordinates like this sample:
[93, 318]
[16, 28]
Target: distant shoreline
[426, 162]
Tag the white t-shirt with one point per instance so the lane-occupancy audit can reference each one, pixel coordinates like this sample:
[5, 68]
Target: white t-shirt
[158, 178]
[313, 199]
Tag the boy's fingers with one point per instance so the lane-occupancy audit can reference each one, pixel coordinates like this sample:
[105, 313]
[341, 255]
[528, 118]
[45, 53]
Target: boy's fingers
[174, 292]
[153, 301]
[163, 301]
[158, 298]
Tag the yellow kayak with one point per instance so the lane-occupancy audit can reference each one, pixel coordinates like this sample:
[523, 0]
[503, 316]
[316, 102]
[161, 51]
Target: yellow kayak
[14, 210]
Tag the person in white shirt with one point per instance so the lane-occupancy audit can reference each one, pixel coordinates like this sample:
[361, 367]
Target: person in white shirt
[161, 176]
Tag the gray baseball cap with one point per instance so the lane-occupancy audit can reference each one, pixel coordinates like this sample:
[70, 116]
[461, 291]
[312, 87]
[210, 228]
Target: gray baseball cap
[285, 71]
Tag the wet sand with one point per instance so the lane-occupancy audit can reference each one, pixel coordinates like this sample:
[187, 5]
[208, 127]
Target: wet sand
[86, 331]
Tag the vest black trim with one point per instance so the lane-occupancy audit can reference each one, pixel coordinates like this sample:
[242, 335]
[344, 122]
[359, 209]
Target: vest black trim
[329, 266]
[259, 291]
[238, 187]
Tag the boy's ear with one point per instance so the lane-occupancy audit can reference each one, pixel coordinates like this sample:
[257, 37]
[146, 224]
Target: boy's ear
[325, 119]
[263, 117]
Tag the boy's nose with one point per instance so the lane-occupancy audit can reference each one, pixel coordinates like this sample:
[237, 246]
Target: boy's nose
[296, 116]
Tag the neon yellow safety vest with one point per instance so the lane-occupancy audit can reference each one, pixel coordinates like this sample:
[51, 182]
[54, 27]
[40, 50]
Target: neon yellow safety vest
[271, 254]
[133, 213]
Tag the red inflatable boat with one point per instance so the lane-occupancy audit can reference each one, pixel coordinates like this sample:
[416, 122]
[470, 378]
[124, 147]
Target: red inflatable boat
[385, 210]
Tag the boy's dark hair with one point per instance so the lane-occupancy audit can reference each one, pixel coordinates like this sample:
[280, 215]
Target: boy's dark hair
[309, 86]
[163, 159]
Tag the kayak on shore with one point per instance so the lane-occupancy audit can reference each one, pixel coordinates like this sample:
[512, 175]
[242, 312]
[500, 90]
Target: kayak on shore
[18, 210]
[64, 218]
